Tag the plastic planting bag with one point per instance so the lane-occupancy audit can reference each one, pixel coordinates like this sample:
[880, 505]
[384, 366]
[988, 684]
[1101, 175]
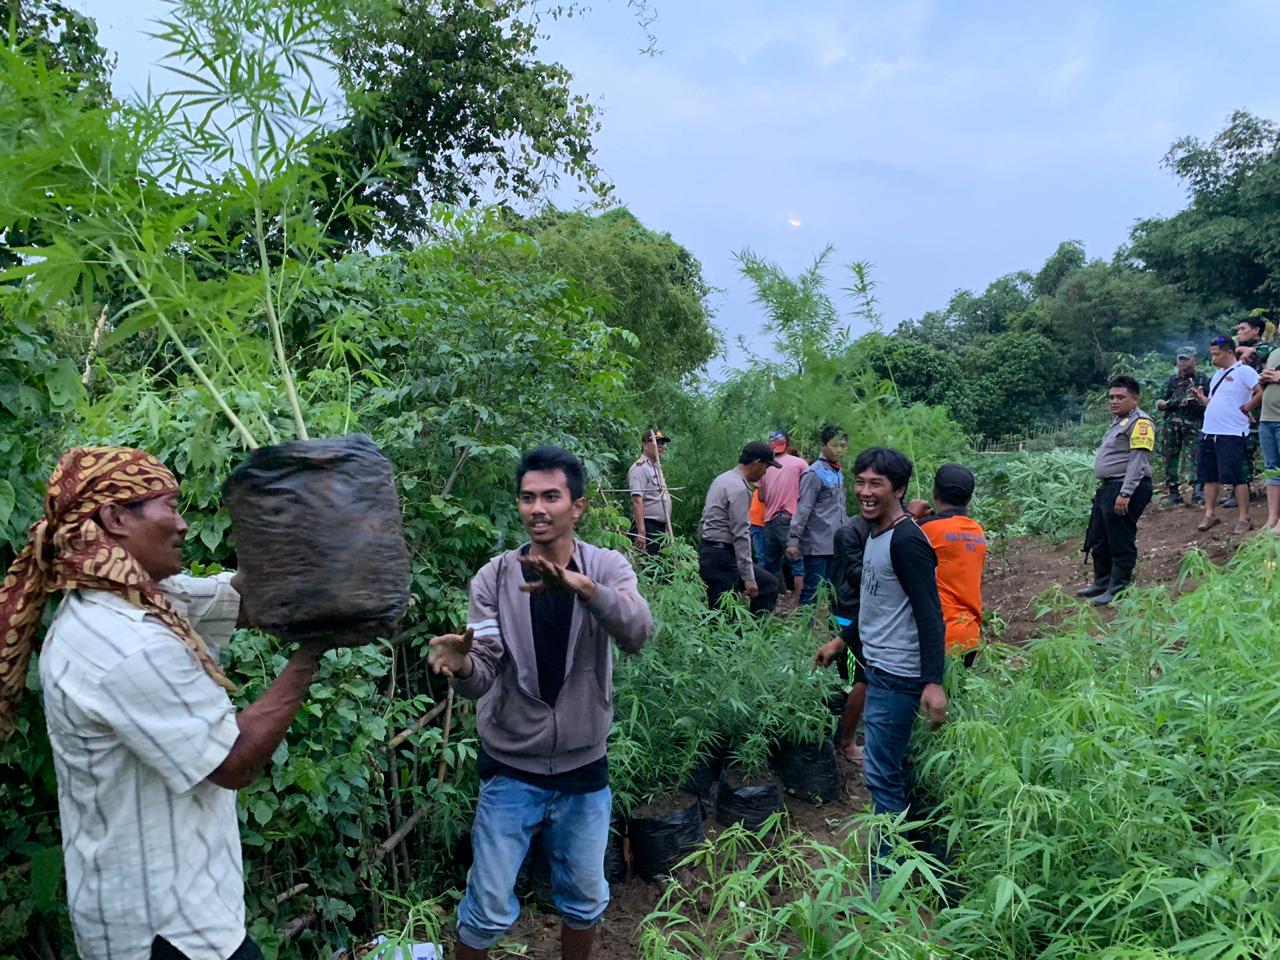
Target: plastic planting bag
[748, 805]
[615, 852]
[809, 771]
[659, 843]
[319, 542]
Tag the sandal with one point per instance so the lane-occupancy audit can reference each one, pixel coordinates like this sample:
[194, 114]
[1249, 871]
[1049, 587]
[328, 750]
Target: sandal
[855, 759]
[1242, 527]
[1208, 522]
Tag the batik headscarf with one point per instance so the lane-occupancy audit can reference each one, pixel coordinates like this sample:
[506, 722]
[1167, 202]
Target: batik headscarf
[67, 550]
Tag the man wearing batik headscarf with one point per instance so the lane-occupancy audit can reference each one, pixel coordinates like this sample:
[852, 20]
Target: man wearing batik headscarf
[147, 747]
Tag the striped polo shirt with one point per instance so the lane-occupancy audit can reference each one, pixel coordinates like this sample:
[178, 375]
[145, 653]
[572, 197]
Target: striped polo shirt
[151, 846]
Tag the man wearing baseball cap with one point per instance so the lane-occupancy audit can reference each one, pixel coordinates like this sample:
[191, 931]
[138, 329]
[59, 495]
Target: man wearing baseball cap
[1183, 421]
[724, 534]
[780, 491]
[650, 498]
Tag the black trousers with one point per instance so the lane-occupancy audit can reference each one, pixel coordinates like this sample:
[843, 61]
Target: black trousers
[162, 949]
[1114, 539]
[655, 532]
[718, 567]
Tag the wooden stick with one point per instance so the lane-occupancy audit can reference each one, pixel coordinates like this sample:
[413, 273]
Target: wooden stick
[298, 924]
[396, 838]
[662, 481]
[421, 722]
[293, 891]
[448, 725]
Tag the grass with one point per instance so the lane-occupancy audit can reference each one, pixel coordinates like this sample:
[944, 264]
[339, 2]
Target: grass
[1112, 793]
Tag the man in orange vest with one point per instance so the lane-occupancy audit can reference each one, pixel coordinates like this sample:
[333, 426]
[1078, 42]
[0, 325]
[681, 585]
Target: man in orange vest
[960, 544]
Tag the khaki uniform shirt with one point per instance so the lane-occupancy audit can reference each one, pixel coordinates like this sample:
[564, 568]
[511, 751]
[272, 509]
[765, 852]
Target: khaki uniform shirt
[1125, 453]
[644, 482]
[726, 518]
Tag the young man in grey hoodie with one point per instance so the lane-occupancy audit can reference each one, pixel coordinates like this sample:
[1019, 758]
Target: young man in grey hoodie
[821, 510]
[537, 656]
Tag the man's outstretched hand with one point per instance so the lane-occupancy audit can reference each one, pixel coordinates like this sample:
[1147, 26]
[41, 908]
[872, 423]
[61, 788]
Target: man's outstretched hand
[555, 576]
[450, 654]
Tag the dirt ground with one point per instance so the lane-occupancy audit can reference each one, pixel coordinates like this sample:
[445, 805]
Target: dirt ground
[1019, 573]
[537, 934]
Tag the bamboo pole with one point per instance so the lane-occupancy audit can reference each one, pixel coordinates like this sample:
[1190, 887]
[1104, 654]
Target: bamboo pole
[277, 336]
[662, 483]
[421, 722]
[448, 726]
[171, 332]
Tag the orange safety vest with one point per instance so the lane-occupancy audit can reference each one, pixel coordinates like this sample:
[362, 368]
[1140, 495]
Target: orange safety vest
[961, 547]
[756, 514]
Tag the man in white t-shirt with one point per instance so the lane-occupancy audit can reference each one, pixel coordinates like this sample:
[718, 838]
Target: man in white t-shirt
[1226, 429]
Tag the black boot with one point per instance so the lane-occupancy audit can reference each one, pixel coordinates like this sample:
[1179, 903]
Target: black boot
[1119, 583]
[1095, 588]
[1174, 497]
[1101, 581]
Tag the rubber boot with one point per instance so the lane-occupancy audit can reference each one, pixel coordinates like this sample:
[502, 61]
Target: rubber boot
[1101, 583]
[1174, 496]
[1197, 495]
[1119, 582]
[576, 944]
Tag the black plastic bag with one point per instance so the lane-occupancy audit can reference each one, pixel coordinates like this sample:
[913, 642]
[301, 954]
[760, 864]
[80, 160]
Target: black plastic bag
[659, 843]
[749, 805]
[319, 541]
[809, 771]
[702, 779]
[615, 852]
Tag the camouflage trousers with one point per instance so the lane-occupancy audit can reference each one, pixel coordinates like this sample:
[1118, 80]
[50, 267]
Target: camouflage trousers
[1179, 443]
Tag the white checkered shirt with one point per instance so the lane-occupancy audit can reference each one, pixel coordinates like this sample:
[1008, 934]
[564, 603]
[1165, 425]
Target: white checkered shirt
[151, 846]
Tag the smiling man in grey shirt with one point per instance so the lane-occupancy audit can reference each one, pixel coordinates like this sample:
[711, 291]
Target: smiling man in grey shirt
[724, 534]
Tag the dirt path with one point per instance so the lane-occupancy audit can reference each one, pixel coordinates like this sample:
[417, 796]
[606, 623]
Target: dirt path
[1019, 572]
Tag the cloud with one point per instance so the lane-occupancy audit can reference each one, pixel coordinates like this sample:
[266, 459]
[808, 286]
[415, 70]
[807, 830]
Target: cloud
[1073, 68]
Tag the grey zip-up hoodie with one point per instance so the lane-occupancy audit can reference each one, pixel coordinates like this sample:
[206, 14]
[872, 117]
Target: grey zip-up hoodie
[516, 727]
[820, 510]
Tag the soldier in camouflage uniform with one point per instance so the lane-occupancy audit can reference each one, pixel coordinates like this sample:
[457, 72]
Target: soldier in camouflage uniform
[1183, 420]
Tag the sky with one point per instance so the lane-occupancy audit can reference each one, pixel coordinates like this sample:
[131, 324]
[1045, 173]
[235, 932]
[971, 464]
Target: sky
[946, 143]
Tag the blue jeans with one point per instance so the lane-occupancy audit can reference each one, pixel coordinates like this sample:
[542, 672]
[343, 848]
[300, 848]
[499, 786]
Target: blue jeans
[887, 721]
[815, 572]
[776, 532]
[575, 832]
[757, 544]
[1269, 437]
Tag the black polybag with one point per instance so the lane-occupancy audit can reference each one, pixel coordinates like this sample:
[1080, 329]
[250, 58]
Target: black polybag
[748, 805]
[659, 843]
[702, 778]
[319, 541]
[615, 852]
[809, 771]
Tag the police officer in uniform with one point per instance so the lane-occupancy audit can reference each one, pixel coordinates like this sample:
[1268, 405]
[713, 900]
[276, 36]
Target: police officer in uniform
[650, 498]
[1123, 469]
[1183, 420]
